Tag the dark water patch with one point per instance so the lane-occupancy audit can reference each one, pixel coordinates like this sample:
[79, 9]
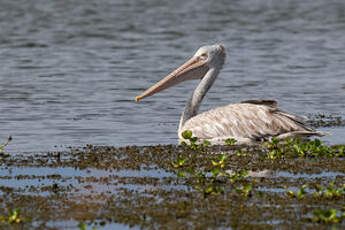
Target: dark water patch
[326, 120]
[31, 45]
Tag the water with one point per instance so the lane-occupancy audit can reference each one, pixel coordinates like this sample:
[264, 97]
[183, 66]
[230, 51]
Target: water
[70, 70]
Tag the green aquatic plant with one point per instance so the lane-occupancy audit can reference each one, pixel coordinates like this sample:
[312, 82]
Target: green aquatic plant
[210, 190]
[219, 162]
[330, 215]
[230, 141]
[212, 181]
[240, 153]
[13, 217]
[187, 134]
[213, 185]
[194, 144]
[237, 176]
[300, 193]
[83, 226]
[208, 179]
[243, 190]
[331, 191]
[9, 139]
[339, 150]
[179, 162]
[294, 148]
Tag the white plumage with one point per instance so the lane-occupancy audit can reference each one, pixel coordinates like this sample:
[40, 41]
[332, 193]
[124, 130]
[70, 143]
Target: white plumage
[248, 122]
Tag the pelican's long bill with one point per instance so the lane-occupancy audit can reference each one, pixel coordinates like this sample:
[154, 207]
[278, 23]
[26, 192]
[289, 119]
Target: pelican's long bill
[194, 68]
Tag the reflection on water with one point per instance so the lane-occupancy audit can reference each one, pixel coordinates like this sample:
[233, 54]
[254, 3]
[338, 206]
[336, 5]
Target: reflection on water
[70, 70]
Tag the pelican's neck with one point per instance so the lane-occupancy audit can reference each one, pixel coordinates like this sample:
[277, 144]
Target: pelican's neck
[192, 107]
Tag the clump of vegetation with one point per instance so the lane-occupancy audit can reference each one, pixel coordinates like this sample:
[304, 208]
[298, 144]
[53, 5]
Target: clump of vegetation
[13, 217]
[214, 181]
[300, 193]
[244, 190]
[331, 191]
[179, 162]
[83, 226]
[211, 178]
[293, 148]
[230, 141]
[330, 215]
[194, 145]
[9, 139]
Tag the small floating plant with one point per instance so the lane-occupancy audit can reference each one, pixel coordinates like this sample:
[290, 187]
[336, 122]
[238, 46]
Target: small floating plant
[213, 178]
[330, 215]
[14, 216]
[9, 139]
[294, 148]
[331, 191]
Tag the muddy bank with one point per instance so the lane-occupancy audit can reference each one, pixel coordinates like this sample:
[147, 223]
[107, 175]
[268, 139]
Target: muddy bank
[170, 187]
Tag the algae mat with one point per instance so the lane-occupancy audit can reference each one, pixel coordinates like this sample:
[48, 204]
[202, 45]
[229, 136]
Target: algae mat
[169, 187]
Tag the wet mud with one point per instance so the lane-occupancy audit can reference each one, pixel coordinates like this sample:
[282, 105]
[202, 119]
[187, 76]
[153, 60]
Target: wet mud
[144, 187]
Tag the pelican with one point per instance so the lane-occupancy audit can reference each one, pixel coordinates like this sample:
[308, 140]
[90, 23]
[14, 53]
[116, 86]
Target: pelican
[248, 122]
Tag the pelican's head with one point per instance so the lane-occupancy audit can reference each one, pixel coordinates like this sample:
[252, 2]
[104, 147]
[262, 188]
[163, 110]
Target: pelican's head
[213, 55]
[206, 58]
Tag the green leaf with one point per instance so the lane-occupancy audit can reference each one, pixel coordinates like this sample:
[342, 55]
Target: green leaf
[223, 157]
[275, 141]
[181, 161]
[180, 174]
[190, 171]
[193, 139]
[290, 193]
[178, 163]
[207, 143]
[215, 171]
[174, 164]
[244, 173]
[209, 189]
[247, 188]
[297, 140]
[239, 190]
[230, 141]
[317, 142]
[187, 134]
[82, 226]
[4, 145]
[214, 163]
[220, 190]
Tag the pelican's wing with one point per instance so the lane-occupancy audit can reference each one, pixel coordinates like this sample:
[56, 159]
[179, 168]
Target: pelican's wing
[268, 102]
[252, 121]
[274, 104]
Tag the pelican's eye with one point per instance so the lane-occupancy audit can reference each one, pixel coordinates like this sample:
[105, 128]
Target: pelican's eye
[203, 57]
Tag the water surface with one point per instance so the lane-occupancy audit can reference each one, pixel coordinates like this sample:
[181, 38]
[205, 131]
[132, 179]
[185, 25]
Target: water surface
[70, 70]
